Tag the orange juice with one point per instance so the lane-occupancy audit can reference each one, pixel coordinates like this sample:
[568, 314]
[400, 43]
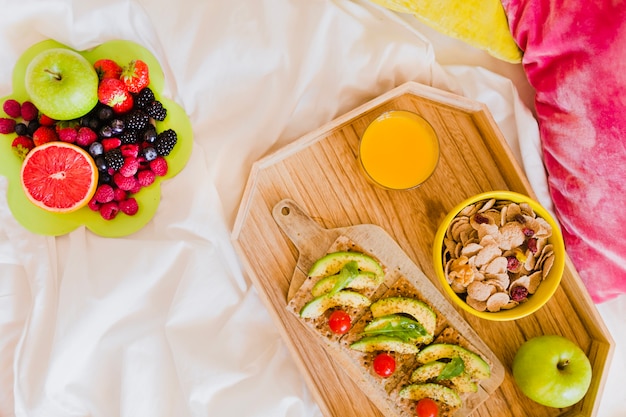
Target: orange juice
[399, 150]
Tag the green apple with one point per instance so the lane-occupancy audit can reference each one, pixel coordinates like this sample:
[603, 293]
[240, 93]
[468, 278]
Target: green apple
[62, 84]
[552, 370]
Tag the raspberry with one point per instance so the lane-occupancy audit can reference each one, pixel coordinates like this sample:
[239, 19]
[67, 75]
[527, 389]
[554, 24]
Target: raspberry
[93, 204]
[29, 111]
[119, 195]
[109, 210]
[12, 108]
[130, 149]
[159, 166]
[85, 137]
[124, 183]
[165, 142]
[130, 167]
[145, 177]
[111, 143]
[7, 125]
[67, 134]
[104, 194]
[129, 206]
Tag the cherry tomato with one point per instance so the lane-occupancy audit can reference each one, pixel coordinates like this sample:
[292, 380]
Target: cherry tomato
[384, 365]
[339, 322]
[427, 408]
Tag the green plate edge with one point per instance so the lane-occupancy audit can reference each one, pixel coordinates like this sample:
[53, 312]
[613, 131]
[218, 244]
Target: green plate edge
[55, 224]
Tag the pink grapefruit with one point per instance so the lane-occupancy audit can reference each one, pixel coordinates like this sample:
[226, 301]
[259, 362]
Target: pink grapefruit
[59, 177]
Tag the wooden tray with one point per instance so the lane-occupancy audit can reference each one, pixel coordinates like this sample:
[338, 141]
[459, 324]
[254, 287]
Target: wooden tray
[320, 173]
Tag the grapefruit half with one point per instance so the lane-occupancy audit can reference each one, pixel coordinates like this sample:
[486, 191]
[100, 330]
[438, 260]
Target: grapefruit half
[59, 177]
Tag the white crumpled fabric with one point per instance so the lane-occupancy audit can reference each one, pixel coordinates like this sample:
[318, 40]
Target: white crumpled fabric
[163, 322]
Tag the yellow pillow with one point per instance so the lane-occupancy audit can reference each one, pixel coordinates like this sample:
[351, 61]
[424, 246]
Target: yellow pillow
[480, 23]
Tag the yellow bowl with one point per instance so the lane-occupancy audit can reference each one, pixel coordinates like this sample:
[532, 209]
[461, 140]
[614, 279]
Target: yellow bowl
[547, 287]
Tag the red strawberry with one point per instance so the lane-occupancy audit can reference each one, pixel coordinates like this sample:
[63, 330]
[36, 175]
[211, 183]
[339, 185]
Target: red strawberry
[136, 75]
[85, 137]
[107, 68]
[113, 93]
[44, 134]
[46, 121]
[22, 145]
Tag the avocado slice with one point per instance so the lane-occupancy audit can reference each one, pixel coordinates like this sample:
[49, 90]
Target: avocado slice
[415, 308]
[317, 306]
[384, 343]
[397, 325]
[432, 370]
[332, 263]
[364, 280]
[475, 366]
[434, 391]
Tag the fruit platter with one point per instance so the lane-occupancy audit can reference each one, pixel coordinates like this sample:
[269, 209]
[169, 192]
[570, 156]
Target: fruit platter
[87, 137]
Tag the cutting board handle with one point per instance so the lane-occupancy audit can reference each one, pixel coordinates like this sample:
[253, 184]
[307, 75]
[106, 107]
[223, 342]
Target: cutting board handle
[305, 233]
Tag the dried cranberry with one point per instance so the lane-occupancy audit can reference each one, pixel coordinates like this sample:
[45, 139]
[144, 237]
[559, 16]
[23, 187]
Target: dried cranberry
[519, 293]
[528, 232]
[532, 245]
[512, 263]
[480, 219]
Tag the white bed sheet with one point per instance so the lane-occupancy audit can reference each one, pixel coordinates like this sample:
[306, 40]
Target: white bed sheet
[163, 322]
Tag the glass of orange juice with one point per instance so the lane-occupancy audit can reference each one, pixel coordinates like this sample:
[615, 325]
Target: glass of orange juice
[399, 150]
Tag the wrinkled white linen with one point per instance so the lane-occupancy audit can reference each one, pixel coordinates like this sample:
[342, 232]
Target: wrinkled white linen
[163, 322]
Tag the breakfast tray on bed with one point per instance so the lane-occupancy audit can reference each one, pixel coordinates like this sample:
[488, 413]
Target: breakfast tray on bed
[320, 173]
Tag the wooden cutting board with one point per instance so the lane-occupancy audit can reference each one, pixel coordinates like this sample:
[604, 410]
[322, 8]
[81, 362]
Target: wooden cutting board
[320, 171]
[313, 241]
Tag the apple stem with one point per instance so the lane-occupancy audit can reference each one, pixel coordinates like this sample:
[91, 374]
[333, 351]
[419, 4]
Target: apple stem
[56, 75]
[563, 364]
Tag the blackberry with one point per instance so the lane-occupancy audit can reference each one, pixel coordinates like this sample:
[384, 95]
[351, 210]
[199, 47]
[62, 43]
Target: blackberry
[114, 159]
[129, 136]
[137, 120]
[156, 111]
[144, 98]
[165, 142]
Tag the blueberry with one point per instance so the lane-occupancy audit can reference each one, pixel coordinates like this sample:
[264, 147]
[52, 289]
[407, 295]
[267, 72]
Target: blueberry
[101, 163]
[94, 123]
[105, 113]
[21, 129]
[96, 149]
[150, 153]
[32, 126]
[117, 126]
[106, 131]
[150, 134]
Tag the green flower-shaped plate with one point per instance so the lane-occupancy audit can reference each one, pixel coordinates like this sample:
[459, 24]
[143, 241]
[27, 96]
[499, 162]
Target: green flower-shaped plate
[54, 224]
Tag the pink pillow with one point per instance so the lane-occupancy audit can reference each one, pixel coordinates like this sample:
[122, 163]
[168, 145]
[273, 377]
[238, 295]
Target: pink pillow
[575, 58]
